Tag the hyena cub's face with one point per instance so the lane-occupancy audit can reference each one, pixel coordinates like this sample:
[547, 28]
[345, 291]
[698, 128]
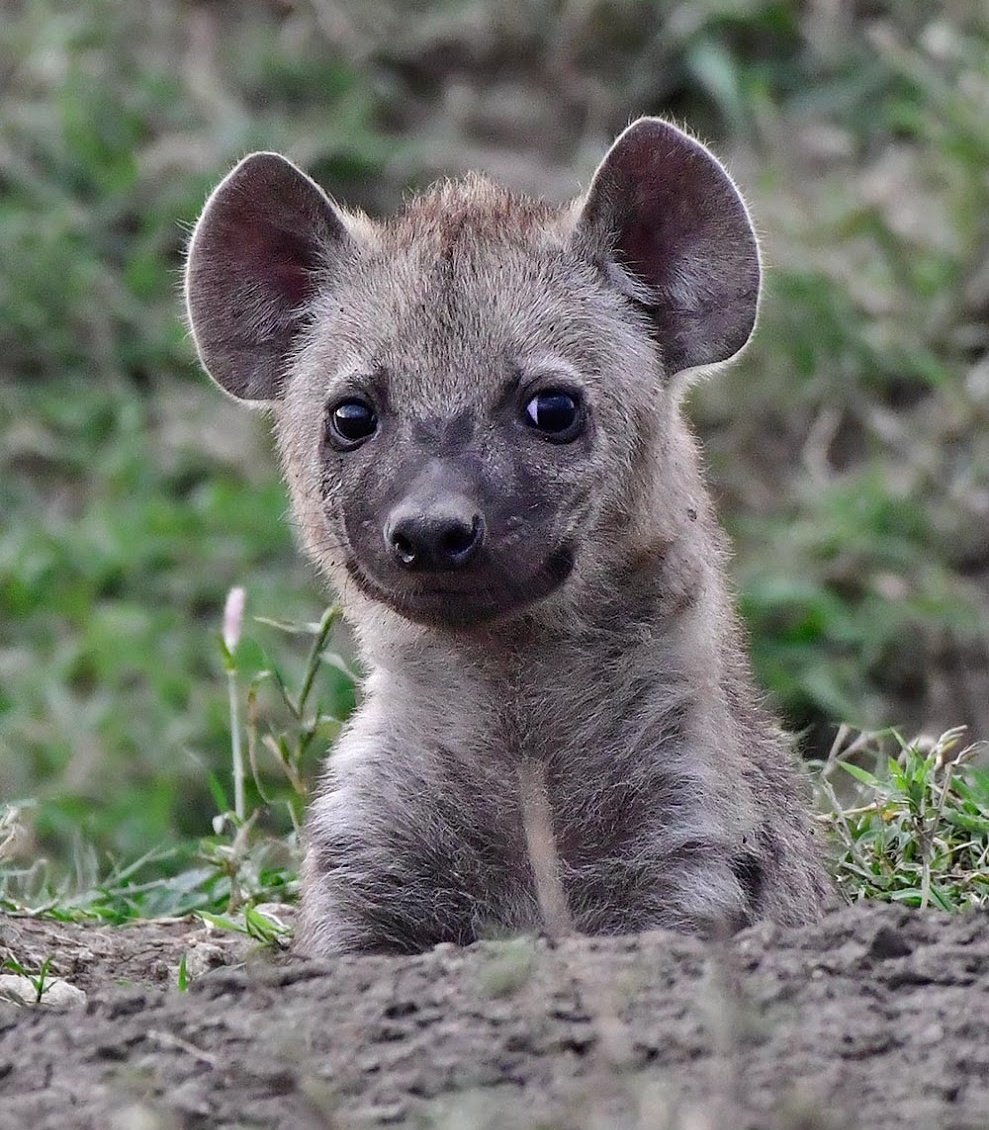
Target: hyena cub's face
[449, 426]
[466, 395]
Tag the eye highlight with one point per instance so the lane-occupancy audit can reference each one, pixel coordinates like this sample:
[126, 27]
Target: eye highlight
[350, 422]
[555, 413]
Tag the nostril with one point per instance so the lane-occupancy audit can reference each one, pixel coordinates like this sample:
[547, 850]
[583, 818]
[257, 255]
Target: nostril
[458, 541]
[405, 551]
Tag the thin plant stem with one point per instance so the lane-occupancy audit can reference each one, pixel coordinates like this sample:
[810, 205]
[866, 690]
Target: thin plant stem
[329, 618]
[925, 878]
[544, 859]
[235, 746]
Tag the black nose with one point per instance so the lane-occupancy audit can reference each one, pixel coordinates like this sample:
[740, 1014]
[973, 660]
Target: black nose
[434, 541]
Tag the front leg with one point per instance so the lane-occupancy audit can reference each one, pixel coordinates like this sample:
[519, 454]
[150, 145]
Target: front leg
[398, 861]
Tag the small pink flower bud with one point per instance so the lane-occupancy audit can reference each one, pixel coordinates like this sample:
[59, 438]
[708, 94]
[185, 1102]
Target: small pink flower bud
[233, 618]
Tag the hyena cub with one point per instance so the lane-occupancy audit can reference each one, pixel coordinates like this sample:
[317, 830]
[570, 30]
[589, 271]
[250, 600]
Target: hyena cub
[477, 406]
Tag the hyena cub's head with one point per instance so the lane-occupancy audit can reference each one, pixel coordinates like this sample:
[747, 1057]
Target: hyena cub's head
[472, 398]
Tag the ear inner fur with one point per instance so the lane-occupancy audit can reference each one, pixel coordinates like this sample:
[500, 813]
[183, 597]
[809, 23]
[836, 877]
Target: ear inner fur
[677, 239]
[255, 259]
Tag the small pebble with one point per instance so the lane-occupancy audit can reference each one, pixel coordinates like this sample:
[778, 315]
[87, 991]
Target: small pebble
[57, 995]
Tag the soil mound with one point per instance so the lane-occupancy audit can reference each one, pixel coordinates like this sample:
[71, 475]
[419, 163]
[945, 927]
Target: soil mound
[876, 1017]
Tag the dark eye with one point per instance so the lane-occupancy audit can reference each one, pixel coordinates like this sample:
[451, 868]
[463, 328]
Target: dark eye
[557, 414]
[351, 422]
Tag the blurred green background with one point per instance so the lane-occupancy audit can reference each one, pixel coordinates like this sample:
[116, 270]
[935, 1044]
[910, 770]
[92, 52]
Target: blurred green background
[848, 451]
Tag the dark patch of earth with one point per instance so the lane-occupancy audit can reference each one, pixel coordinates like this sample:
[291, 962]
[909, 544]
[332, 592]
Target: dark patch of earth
[878, 1016]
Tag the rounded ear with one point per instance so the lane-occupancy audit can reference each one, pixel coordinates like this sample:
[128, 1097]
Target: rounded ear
[253, 266]
[676, 237]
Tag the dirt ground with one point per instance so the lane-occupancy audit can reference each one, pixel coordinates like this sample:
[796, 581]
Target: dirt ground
[876, 1017]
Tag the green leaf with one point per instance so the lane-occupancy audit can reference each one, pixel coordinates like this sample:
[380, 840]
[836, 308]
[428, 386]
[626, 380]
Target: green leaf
[218, 792]
[221, 922]
[860, 774]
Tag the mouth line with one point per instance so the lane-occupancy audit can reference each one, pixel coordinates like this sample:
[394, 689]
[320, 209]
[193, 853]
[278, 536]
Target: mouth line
[464, 604]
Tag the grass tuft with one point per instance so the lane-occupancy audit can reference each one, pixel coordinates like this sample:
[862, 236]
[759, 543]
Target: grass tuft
[911, 824]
